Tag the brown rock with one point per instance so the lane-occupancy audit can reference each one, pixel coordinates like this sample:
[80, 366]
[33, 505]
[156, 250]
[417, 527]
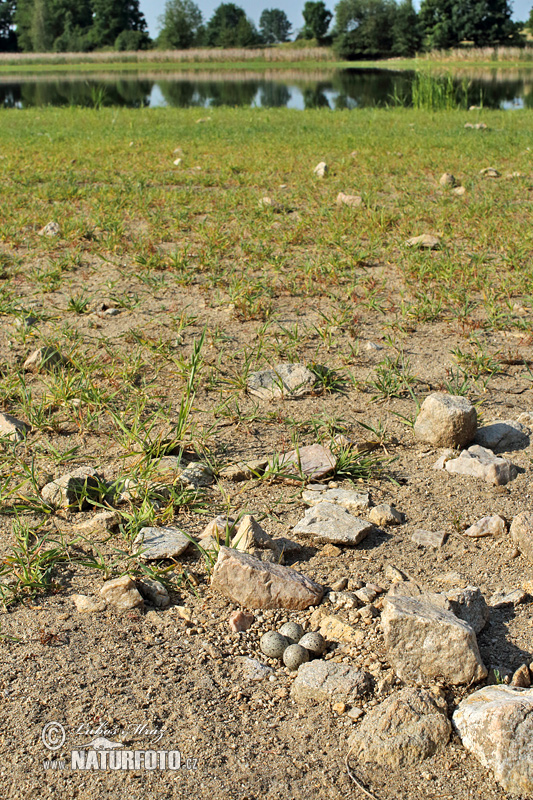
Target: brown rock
[313, 460]
[446, 420]
[258, 584]
[240, 621]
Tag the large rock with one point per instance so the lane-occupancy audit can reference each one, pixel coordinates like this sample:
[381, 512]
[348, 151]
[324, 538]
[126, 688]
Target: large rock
[425, 642]
[496, 725]
[503, 436]
[404, 729]
[159, 543]
[324, 681]
[522, 533]
[258, 584]
[351, 501]
[327, 522]
[74, 489]
[283, 380]
[446, 420]
[477, 462]
[13, 428]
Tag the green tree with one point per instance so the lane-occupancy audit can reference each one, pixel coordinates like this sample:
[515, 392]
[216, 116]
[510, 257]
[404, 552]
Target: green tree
[530, 21]
[406, 34]
[364, 28]
[52, 24]
[317, 18]
[229, 27]
[181, 25]
[111, 17]
[8, 39]
[446, 23]
[274, 26]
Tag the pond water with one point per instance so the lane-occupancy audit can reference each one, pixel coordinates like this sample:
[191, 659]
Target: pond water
[352, 88]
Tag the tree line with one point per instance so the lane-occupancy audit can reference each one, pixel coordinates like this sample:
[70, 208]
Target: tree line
[357, 29]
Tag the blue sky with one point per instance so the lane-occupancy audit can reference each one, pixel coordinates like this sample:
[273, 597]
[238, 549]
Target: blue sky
[152, 9]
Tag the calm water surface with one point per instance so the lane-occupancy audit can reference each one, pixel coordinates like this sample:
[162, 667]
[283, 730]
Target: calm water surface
[354, 88]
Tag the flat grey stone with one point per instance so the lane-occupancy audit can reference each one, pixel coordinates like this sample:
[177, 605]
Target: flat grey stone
[325, 681]
[478, 462]
[197, 475]
[425, 642]
[351, 501]
[159, 543]
[496, 725]
[433, 539]
[327, 522]
[283, 380]
[500, 437]
[403, 730]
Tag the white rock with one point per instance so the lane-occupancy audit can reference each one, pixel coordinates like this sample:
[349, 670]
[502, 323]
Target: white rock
[321, 169]
[447, 179]
[487, 526]
[74, 489]
[496, 725]
[478, 462]
[122, 593]
[44, 358]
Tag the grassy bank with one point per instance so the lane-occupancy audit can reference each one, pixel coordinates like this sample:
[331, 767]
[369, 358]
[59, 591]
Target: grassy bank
[188, 256]
[306, 58]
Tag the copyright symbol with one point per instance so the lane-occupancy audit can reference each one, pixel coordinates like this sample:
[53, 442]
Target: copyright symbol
[53, 735]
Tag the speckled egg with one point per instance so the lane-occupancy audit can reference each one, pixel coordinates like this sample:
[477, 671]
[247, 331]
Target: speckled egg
[292, 631]
[314, 642]
[273, 644]
[295, 655]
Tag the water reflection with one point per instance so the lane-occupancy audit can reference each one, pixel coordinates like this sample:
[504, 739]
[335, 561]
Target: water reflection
[354, 88]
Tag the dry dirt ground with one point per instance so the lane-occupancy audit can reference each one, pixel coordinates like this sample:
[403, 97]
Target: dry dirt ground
[106, 674]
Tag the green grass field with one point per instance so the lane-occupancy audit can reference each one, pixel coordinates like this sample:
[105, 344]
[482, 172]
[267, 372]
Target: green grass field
[189, 254]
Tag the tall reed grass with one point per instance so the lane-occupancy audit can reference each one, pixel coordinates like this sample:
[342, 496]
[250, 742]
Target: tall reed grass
[482, 54]
[196, 55]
